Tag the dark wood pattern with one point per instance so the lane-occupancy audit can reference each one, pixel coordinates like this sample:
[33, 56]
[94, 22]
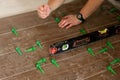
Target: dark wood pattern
[74, 65]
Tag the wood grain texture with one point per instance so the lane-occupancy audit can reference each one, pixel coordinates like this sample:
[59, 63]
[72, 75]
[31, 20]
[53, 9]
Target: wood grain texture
[76, 64]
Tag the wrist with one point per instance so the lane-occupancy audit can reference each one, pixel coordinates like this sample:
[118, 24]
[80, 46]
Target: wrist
[50, 7]
[80, 17]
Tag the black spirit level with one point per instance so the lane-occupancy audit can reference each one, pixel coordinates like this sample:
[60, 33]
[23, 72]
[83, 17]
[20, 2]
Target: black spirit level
[84, 39]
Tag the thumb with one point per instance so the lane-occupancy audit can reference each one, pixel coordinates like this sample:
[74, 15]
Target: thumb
[41, 8]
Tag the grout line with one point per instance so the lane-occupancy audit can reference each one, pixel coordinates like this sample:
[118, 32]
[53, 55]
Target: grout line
[86, 65]
[43, 43]
[110, 56]
[35, 26]
[28, 27]
[49, 23]
[6, 53]
[44, 65]
[97, 73]
[115, 22]
[103, 70]
[49, 41]
[49, 64]
[78, 32]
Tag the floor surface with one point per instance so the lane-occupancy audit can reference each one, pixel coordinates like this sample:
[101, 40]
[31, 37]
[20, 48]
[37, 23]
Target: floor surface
[76, 64]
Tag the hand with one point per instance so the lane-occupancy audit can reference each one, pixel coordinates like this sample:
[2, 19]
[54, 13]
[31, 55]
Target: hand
[69, 21]
[44, 11]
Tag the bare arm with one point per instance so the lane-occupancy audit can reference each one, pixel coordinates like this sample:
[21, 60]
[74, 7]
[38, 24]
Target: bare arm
[90, 7]
[71, 20]
[54, 4]
[45, 10]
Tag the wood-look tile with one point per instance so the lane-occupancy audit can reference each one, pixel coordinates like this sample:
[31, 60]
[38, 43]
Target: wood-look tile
[4, 25]
[106, 75]
[76, 64]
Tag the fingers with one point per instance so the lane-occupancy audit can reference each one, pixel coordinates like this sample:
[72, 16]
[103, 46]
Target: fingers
[41, 15]
[69, 21]
[69, 26]
[43, 11]
[41, 8]
[65, 22]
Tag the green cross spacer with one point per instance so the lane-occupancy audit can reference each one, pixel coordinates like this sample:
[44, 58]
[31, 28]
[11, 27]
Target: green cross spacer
[31, 49]
[57, 20]
[18, 50]
[83, 31]
[108, 43]
[38, 43]
[14, 31]
[103, 50]
[54, 62]
[118, 18]
[42, 60]
[109, 68]
[90, 51]
[38, 66]
[117, 60]
[101, 7]
[113, 10]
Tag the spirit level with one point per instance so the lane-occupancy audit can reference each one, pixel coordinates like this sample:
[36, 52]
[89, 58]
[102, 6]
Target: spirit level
[84, 39]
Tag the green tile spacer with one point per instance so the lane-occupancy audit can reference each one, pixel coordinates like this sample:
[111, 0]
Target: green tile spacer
[54, 62]
[83, 31]
[30, 49]
[18, 50]
[113, 10]
[57, 20]
[14, 31]
[38, 66]
[38, 43]
[118, 18]
[117, 60]
[42, 60]
[103, 50]
[109, 68]
[102, 7]
[63, 14]
[90, 51]
[108, 43]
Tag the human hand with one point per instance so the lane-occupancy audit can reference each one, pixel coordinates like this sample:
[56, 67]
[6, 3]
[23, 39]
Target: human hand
[44, 11]
[69, 21]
